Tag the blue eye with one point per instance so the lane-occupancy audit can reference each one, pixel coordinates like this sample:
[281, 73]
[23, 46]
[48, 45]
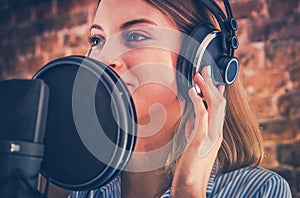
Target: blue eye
[96, 41]
[134, 36]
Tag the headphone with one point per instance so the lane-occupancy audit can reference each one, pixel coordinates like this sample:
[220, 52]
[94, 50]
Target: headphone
[208, 46]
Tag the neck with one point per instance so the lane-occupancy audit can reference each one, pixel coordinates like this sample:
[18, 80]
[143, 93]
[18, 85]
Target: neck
[145, 184]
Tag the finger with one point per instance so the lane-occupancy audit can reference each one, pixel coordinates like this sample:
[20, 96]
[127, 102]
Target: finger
[189, 129]
[201, 140]
[203, 86]
[207, 76]
[208, 145]
[215, 102]
[211, 93]
[201, 116]
[221, 89]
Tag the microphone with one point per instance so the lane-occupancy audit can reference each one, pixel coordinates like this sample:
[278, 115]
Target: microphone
[75, 109]
[23, 112]
[91, 121]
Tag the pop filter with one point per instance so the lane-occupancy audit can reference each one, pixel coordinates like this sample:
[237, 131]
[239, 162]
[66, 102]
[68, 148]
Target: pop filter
[91, 123]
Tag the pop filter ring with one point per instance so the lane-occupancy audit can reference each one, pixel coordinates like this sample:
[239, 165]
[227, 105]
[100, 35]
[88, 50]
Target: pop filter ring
[126, 134]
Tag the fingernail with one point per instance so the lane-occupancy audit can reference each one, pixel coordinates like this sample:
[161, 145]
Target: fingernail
[209, 70]
[197, 90]
[194, 90]
[199, 75]
[223, 89]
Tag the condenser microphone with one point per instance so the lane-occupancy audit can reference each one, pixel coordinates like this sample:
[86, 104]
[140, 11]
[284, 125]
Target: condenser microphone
[23, 111]
[91, 123]
[79, 135]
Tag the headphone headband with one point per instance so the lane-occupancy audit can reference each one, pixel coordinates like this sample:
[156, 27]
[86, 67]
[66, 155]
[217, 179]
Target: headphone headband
[227, 24]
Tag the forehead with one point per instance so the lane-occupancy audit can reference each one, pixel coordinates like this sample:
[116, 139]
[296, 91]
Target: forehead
[113, 13]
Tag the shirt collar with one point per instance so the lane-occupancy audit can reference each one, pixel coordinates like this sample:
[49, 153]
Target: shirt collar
[114, 186]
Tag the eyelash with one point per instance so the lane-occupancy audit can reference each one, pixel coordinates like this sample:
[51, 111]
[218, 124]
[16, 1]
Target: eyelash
[129, 37]
[96, 40]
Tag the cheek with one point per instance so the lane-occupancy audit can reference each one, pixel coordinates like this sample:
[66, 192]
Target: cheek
[153, 66]
[154, 98]
[155, 71]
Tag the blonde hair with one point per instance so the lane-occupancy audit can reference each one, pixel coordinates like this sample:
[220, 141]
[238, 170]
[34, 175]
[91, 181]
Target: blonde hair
[242, 144]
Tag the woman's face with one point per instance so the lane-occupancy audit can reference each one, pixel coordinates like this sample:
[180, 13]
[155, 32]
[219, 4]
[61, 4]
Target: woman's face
[141, 45]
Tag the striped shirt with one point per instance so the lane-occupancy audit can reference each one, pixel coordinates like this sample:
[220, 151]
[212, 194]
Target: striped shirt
[247, 182]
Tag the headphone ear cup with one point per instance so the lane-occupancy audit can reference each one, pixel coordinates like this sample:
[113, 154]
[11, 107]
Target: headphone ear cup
[225, 68]
[186, 59]
[202, 48]
[229, 68]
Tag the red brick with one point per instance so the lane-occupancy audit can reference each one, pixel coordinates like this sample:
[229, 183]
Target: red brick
[29, 31]
[264, 29]
[281, 54]
[49, 24]
[263, 106]
[245, 9]
[13, 67]
[269, 159]
[70, 5]
[279, 9]
[49, 42]
[33, 64]
[87, 2]
[72, 40]
[63, 20]
[267, 81]
[289, 154]
[289, 104]
[279, 129]
[295, 73]
[65, 6]
[26, 46]
[43, 10]
[251, 57]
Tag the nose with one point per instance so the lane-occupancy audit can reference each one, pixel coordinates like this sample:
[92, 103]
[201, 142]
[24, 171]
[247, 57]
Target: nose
[116, 64]
[111, 54]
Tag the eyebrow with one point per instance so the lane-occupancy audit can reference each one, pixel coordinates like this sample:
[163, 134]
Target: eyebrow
[136, 21]
[95, 26]
[126, 25]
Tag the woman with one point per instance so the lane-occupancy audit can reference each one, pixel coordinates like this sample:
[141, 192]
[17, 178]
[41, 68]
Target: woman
[211, 145]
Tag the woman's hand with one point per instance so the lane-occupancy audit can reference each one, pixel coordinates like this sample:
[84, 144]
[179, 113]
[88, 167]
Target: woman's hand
[204, 134]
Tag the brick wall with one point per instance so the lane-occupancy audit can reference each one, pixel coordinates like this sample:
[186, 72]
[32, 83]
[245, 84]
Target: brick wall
[33, 32]
[270, 57]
